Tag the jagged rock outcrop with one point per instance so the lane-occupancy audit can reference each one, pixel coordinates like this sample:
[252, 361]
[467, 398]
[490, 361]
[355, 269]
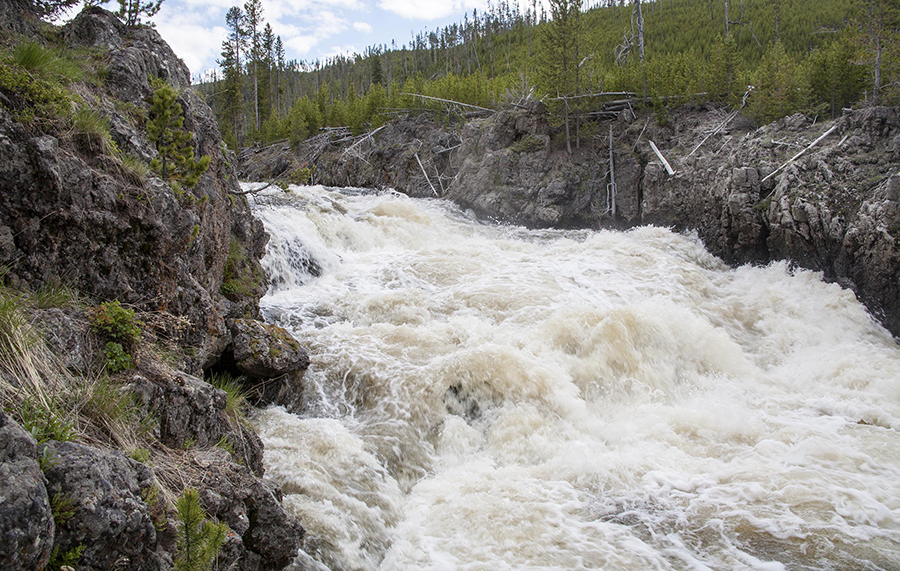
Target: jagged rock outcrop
[511, 171]
[104, 512]
[388, 160]
[68, 213]
[831, 210]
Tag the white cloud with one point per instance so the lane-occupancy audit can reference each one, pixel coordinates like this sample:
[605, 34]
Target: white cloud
[429, 9]
[197, 44]
[302, 45]
[362, 27]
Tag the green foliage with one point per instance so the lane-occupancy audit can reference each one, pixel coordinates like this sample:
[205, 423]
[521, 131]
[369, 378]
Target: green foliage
[116, 322]
[240, 278]
[781, 86]
[198, 540]
[117, 360]
[134, 168]
[32, 99]
[236, 402]
[131, 11]
[561, 42]
[165, 130]
[799, 55]
[62, 508]
[44, 422]
[142, 455]
[54, 294]
[111, 411]
[47, 459]
[225, 445]
[66, 559]
[91, 128]
[300, 176]
[53, 8]
[46, 62]
[527, 144]
[835, 77]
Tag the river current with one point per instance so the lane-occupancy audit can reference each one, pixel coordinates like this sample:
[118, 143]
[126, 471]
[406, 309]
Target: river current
[488, 397]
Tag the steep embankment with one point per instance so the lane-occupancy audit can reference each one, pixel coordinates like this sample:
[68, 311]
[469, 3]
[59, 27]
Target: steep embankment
[106, 420]
[834, 209]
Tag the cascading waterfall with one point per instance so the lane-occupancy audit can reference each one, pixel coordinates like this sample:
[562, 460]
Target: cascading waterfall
[491, 397]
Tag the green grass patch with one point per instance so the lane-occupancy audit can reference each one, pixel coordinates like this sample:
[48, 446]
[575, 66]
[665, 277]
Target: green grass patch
[236, 403]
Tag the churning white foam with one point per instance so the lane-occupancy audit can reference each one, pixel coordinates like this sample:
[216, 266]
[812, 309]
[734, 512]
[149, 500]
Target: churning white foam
[491, 397]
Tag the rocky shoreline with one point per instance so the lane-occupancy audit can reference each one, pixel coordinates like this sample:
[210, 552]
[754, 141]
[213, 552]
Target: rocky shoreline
[124, 296]
[834, 209]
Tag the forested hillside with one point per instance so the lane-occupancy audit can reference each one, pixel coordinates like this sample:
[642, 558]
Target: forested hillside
[774, 57]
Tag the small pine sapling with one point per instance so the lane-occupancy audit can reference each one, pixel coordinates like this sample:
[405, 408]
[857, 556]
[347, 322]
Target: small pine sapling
[199, 540]
[173, 142]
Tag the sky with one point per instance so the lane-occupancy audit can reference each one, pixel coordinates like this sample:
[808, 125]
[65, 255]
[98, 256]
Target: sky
[310, 29]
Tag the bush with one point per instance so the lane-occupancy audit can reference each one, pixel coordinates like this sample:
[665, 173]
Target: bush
[527, 144]
[116, 322]
[117, 360]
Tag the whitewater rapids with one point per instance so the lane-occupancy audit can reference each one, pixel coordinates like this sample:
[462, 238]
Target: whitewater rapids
[487, 397]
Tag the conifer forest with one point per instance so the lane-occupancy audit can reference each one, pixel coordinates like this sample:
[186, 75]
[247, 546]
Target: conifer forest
[770, 58]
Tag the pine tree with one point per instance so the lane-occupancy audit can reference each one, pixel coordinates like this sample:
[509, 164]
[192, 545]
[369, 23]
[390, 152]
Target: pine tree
[880, 39]
[561, 40]
[130, 11]
[253, 11]
[165, 129]
[199, 540]
[232, 100]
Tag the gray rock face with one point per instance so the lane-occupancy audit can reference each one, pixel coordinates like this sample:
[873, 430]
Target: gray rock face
[831, 210]
[71, 213]
[191, 411]
[270, 538]
[108, 515]
[68, 337]
[26, 520]
[509, 170]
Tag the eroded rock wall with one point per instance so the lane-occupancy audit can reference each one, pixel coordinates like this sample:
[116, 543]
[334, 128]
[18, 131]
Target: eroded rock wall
[833, 210]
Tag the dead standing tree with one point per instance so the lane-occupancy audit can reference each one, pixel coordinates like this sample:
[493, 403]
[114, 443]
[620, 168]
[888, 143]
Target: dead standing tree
[623, 50]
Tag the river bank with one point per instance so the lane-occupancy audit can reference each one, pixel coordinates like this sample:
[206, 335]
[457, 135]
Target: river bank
[834, 209]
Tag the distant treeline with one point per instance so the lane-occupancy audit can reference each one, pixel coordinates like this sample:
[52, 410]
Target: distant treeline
[775, 57]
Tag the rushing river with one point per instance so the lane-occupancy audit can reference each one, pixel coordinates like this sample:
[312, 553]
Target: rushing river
[487, 397]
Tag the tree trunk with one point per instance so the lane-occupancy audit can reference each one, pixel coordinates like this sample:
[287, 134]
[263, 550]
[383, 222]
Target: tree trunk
[727, 28]
[640, 23]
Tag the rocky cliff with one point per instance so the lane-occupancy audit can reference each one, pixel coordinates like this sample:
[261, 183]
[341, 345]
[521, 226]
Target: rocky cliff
[122, 293]
[834, 209]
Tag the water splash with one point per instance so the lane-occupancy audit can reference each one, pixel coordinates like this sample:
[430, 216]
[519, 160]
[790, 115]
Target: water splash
[490, 397]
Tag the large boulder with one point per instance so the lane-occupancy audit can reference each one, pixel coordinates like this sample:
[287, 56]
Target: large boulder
[264, 350]
[106, 515]
[26, 519]
[270, 538]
